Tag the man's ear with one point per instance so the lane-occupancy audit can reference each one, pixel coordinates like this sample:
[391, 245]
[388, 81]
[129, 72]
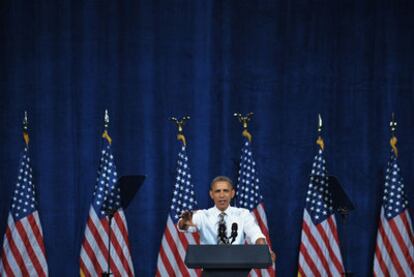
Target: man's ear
[233, 193]
[211, 194]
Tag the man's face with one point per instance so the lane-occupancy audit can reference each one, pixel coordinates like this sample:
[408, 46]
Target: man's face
[221, 193]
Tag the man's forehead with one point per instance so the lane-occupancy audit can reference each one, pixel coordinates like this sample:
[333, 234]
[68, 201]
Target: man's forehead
[221, 185]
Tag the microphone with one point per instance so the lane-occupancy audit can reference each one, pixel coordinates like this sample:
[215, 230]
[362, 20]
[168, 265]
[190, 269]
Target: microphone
[233, 232]
[222, 233]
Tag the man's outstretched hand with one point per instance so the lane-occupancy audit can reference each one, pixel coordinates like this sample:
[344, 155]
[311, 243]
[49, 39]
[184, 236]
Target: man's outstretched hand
[186, 220]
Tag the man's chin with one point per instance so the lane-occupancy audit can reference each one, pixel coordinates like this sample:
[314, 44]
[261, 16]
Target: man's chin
[222, 207]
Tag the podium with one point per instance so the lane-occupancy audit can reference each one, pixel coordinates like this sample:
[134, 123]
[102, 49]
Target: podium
[227, 260]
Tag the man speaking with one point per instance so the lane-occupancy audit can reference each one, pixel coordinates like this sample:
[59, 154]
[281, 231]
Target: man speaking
[223, 224]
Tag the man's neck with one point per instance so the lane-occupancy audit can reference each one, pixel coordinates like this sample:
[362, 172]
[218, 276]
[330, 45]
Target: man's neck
[222, 211]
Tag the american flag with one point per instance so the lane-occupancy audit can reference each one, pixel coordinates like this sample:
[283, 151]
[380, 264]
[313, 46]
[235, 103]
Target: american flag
[249, 197]
[319, 248]
[394, 252]
[94, 252]
[23, 252]
[174, 243]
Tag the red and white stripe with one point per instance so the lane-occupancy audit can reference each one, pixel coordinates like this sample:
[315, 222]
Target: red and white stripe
[260, 216]
[23, 252]
[394, 252]
[319, 249]
[94, 252]
[172, 252]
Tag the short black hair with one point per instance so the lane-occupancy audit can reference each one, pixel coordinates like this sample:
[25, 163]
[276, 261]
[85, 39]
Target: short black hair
[221, 179]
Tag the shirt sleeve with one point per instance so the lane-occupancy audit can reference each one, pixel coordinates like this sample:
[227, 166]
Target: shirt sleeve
[198, 218]
[251, 228]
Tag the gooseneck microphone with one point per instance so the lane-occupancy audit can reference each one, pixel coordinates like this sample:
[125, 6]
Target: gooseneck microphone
[222, 233]
[233, 232]
[223, 239]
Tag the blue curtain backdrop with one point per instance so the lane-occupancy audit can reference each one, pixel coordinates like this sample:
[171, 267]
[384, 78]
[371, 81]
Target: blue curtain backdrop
[286, 61]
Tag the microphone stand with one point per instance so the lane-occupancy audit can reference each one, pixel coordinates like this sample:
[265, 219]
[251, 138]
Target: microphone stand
[344, 212]
[110, 214]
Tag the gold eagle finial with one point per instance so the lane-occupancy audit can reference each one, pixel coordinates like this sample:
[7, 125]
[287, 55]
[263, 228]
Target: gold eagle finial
[180, 125]
[26, 129]
[393, 140]
[105, 134]
[244, 120]
[320, 141]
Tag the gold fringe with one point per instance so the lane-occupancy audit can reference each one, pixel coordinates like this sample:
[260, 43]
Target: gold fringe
[181, 138]
[320, 142]
[393, 143]
[26, 138]
[247, 135]
[106, 136]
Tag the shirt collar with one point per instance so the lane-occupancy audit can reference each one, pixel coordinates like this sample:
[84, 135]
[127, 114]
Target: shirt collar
[216, 211]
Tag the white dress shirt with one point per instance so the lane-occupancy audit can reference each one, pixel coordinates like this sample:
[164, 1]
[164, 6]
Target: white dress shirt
[207, 225]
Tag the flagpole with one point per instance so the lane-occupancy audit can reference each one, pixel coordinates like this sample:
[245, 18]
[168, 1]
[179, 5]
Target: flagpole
[244, 120]
[394, 209]
[255, 205]
[109, 212]
[343, 210]
[183, 199]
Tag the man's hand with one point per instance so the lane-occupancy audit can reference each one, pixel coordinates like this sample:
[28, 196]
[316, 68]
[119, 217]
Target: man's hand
[186, 220]
[263, 242]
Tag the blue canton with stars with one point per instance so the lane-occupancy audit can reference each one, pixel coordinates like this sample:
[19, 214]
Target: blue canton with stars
[395, 200]
[319, 197]
[183, 193]
[107, 195]
[24, 202]
[248, 194]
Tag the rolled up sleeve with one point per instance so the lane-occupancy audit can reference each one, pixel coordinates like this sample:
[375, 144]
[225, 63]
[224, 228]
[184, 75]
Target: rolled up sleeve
[252, 229]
